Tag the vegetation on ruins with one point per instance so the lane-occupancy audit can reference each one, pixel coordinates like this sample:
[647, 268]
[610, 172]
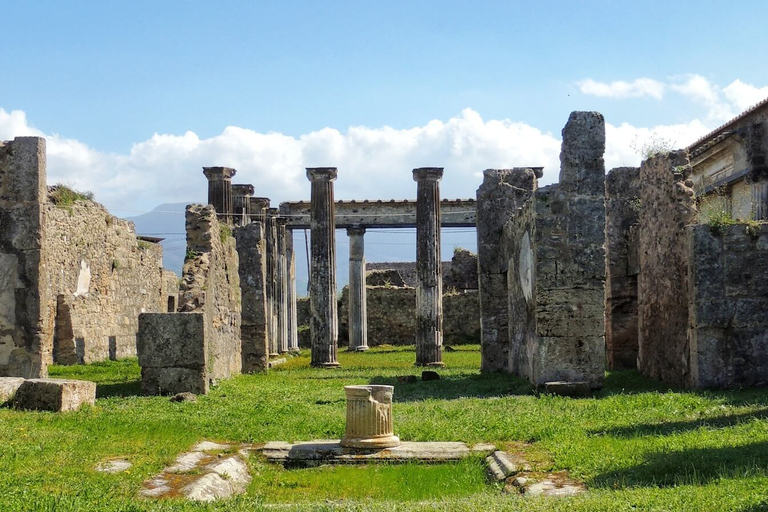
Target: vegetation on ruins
[63, 196]
[655, 145]
[225, 232]
[637, 444]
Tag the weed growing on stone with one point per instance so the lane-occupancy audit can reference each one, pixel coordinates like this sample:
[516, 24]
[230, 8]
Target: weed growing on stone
[64, 196]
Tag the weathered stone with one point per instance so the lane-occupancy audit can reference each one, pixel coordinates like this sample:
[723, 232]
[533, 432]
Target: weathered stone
[369, 417]
[220, 191]
[251, 250]
[8, 388]
[113, 466]
[358, 304]
[172, 340]
[56, 395]
[184, 397]
[563, 388]
[501, 465]
[384, 277]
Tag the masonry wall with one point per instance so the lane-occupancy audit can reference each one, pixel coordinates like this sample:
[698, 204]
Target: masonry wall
[502, 192]
[622, 215]
[663, 283]
[26, 323]
[99, 277]
[728, 306]
[211, 284]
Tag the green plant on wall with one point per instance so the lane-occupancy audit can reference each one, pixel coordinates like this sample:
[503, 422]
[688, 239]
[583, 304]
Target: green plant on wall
[225, 233]
[63, 196]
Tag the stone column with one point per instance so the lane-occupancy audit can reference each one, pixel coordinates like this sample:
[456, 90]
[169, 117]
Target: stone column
[241, 204]
[293, 330]
[281, 287]
[271, 280]
[220, 190]
[258, 206]
[369, 418]
[429, 290]
[322, 284]
[358, 315]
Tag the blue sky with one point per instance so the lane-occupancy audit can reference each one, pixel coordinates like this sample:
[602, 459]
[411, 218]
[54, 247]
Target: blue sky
[136, 96]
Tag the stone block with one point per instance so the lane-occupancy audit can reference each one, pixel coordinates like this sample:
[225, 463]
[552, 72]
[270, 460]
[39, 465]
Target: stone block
[173, 380]
[171, 340]
[56, 395]
[572, 389]
[8, 388]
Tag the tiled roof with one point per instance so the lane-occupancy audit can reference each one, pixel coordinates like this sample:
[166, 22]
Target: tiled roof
[723, 131]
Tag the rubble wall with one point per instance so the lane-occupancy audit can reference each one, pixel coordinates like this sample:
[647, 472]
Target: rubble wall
[26, 321]
[622, 215]
[99, 278]
[211, 285]
[251, 249]
[663, 283]
[502, 192]
[728, 306]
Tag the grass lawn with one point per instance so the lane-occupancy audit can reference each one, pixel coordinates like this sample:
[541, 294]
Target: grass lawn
[637, 444]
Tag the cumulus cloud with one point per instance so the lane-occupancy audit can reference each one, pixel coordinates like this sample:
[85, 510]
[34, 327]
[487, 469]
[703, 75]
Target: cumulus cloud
[637, 88]
[743, 95]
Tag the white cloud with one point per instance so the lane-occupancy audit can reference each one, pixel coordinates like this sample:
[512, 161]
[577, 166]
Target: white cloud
[743, 95]
[637, 88]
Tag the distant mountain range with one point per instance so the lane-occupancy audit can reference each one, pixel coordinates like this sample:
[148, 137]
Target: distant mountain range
[167, 221]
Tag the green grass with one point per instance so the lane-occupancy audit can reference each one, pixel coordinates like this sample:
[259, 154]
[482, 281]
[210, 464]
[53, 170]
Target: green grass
[638, 445]
[64, 196]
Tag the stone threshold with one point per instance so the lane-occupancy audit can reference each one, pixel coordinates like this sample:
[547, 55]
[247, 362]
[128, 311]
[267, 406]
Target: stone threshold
[313, 453]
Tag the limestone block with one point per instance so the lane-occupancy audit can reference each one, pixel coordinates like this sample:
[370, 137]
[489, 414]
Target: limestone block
[56, 395]
[171, 340]
[572, 358]
[8, 388]
[173, 380]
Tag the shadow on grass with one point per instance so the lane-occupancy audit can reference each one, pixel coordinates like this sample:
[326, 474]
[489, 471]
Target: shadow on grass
[484, 385]
[690, 467]
[119, 389]
[667, 428]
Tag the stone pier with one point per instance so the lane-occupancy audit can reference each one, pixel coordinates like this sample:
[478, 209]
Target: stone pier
[271, 281]
[322, 282]
[220, 190]
[293, 328]
[241, 204]
[358, 323]
[251, 249]
[429, 291]
[281, 287]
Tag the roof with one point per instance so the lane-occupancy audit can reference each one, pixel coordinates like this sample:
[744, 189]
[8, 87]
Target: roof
[723, 131]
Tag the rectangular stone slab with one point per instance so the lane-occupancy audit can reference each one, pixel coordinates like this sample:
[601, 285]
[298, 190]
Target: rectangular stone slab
[331, 452]
[57, 395]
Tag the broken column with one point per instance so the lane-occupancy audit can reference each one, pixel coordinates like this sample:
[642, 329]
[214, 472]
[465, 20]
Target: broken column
[220, 190]
[622, 214]
[500, 195]
[369, 417]
[358, 325]
[251, 250]
[293, 331]
[271, 281]
[26, 322]
[281, 287]
[322, 281]
[258, 207]
[241, 204]
[429, 290]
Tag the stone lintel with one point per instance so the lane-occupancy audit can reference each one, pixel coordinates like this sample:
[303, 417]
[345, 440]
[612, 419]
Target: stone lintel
[428, 174]
[219, 173]
[322, 173]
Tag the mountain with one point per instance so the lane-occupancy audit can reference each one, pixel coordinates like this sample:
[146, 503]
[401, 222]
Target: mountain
[167, 221]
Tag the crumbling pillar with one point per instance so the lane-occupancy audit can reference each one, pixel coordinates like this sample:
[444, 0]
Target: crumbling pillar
[281, 287]
[293, 330]
[241, 204]
[429, 290]
[220, 191]
[322, 281]
[251, 250]
[258, 207]
[272, 258]
[358, 315]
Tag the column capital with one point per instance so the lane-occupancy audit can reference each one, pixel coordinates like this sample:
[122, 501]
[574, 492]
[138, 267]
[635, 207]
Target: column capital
[259, 203]
[219, 173]
[273, 212]
[428, 174]
[244, 190]
[321, 173]
[357, 230]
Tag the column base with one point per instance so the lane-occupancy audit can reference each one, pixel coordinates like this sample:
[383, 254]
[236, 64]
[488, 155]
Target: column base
[362, 348]
[334, 364]
[371, 443]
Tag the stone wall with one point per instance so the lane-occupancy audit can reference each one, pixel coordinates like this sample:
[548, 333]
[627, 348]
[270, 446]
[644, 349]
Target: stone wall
[211, 285]
[728, 306]
[622, 214]
[663, 283]
[392, 316]
[501, 194]
[26, 322]
[553, 251]
[460, 273]
[251, 250]
[100, 278]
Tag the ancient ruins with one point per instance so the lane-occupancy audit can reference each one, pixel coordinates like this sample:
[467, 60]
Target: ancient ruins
[660, 268]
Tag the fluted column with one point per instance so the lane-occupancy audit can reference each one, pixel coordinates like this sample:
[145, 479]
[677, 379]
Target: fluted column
[293, 331]
[322, 283]
[241, 204]
[281, 288]
[271, 281]
[429, 289]
[358, 315]
[220, 191]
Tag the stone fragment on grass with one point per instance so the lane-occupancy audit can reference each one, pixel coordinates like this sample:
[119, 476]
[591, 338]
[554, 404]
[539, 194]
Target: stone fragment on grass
[502, 465]
[113, 466]
[556, 484]
[187, 462]
[204, 446]
[8, 388]
[57, 395]
[565, 388]
[184, 397]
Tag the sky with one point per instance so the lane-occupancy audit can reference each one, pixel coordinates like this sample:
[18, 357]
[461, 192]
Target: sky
[136, 97]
